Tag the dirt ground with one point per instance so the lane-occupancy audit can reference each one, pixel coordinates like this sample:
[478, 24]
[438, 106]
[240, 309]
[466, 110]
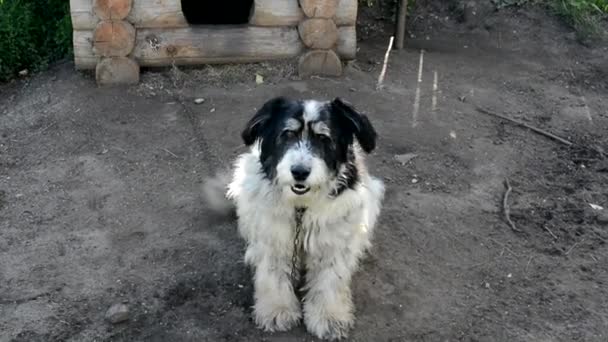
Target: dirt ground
[100, 193]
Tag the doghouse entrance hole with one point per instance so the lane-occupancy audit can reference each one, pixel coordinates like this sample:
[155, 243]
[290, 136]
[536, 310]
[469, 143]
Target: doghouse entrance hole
[217, 12]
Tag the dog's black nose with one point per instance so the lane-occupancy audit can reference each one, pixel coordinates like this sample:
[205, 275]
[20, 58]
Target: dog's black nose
[299, 172]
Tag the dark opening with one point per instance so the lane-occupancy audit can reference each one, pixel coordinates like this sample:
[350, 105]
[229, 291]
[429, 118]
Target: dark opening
[217, 12]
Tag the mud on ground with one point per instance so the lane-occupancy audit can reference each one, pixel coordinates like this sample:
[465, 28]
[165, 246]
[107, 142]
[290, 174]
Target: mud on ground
[100, 199]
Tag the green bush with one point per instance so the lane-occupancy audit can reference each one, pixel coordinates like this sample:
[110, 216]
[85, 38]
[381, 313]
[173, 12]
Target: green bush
[33, 33]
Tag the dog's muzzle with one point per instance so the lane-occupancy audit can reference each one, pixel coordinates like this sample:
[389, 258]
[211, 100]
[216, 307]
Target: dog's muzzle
[300, 173]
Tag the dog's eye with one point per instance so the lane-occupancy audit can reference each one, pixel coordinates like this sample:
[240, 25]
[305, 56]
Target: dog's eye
[289, 134]
[323, 137]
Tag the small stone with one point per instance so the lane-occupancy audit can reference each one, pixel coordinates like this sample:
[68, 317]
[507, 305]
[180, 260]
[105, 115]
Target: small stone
[212, 110]
[199, 101]
[596, 207]
[259, 79]
[414, 181]
[117, 313]
[405, 158]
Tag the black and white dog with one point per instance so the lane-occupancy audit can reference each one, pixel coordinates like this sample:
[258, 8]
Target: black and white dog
[304, 197]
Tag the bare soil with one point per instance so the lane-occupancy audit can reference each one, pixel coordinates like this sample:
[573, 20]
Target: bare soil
[100, 193]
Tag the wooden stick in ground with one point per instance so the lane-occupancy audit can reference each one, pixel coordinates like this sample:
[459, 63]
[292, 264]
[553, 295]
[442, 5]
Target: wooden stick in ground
[505, 206]
[388, 52]
[523, 124]
[400, 28]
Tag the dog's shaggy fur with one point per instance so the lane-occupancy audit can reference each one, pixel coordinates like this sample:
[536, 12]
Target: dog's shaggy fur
[304, 156]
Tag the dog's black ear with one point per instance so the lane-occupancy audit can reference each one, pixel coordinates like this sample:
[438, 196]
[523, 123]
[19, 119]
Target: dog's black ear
[256, 126]
[359, 124]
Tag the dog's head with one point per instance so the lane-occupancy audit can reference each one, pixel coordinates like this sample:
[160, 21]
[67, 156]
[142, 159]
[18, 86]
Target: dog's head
[308, 146]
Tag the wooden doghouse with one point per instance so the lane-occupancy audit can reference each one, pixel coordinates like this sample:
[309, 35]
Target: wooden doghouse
[116, 37]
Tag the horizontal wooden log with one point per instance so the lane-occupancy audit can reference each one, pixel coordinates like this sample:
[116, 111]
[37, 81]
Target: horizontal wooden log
[112, 9]
[347, 42]
[319, 8]
[276, 13]
[218, 44]
[82, 15]
[320, 63]
[318, 33]
[346, 14]
[117, 70]
[84, 58]
[113, 38]
[157, 14]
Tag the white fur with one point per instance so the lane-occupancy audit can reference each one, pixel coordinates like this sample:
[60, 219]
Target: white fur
[336, 231]
[292, 124]
[301, 154]
[311, 110]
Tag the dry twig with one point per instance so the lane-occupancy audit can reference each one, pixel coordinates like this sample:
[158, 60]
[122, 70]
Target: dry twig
[564, 141]
[505, 247]
[171, 153]
[523, 124]
[550, 232]
[383, 72]
[571, 248]
[505, 206]
[528, 265]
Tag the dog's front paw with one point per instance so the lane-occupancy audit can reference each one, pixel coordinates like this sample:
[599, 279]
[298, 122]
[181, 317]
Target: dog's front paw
[329, 326]
[277, 317]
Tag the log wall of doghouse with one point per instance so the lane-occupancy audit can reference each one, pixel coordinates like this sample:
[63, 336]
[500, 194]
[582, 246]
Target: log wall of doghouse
[116, 37]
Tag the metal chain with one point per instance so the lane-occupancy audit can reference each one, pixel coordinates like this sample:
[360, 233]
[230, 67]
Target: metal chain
[295, 257]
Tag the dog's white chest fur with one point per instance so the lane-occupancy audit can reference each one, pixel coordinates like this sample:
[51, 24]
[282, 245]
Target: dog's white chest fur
[304, 155]
[335, 231]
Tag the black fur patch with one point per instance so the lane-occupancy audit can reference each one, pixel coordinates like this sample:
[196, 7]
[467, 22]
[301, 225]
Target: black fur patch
[348, 177]
[269, 127]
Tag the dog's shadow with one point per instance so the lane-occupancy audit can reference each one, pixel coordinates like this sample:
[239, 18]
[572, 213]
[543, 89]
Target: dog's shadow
[214, 289]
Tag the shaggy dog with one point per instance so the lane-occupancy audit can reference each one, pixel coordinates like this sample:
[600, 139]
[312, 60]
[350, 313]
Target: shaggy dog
[305, 202]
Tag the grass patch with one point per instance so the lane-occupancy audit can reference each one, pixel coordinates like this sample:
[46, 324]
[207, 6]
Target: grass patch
[33, 33]
[587, 17]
